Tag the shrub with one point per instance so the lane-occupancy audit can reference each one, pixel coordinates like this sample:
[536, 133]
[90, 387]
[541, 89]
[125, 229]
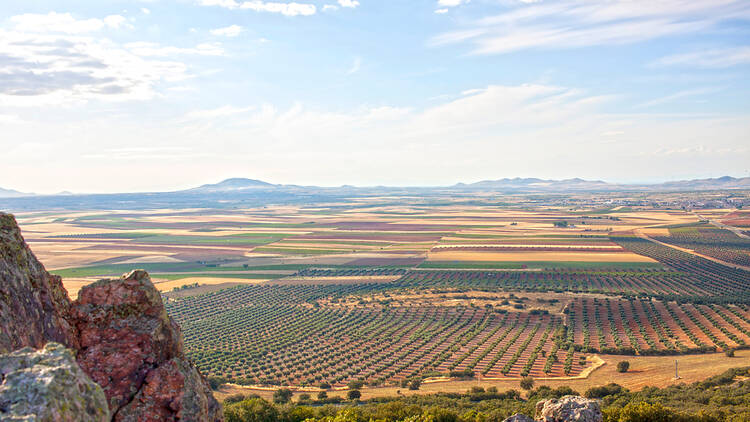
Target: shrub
[623, 366]
[729, 353]
[527, 383]
[282, 395]
[322, 395]
[353, 394]
[355, 384]
[251, 410]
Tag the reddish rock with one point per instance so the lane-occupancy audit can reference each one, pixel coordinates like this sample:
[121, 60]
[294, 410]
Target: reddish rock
[133, 349]
[34, 305]
[124, 334]
[124, 339]
[174, 391]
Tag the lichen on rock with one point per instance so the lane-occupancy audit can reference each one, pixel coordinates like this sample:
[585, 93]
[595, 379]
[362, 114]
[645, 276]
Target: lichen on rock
[119, 330]
[569, 409]
[48, 385]
[34, 306]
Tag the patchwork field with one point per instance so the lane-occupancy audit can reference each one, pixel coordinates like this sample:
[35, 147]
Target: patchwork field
[384, 290]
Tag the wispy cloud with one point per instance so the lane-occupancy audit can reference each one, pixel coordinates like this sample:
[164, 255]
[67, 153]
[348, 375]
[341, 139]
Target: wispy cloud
[56, 58]
[228, 31]
[286, 9]
[580, 23]
[356, 66]
[678, 96]
[709, 58]
[348, 3]
[64, 23]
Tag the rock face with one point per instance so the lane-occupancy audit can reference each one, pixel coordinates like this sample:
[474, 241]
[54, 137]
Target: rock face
[34, 306]
[568, 409]
[123, 337]
[48, 385]
[565, 409]
[133, 349]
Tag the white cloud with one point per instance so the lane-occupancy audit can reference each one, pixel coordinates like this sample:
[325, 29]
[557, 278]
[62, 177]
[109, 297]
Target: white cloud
[580, 23]
[356, 66]
[451, 3]
[286, 9]
[678, 96]
[348, 3]
[150, 49]
[709, 58]
[441, 11]
[228, 31]
[329, 7]
[64, 23]
[145, 11]
[51, 59]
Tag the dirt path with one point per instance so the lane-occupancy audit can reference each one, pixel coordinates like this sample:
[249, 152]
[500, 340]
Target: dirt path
[644, 371]
[642, 235]
[721, 225]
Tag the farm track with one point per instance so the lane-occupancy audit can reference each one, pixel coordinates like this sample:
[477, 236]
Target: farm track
[642, 235]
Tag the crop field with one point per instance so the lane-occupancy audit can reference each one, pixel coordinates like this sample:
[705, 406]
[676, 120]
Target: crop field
[386, 289]
[711, 241]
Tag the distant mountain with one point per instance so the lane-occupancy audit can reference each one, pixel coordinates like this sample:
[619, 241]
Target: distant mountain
[726, 182]
[568, 185]
[10, 193]
[537, 184]
[236, 184]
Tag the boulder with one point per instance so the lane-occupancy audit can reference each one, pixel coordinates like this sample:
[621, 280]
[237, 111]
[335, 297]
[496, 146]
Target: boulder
[569, 409]
[133, 349]
[124, 334]
[34, 306]
[119, 330]
[48, 385]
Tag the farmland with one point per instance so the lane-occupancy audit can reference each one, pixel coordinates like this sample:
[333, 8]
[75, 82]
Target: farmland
[385, 289]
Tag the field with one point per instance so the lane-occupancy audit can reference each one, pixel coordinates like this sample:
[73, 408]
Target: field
[384, 289]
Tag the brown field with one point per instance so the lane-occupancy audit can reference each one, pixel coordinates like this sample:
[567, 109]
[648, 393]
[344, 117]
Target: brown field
[519, 256]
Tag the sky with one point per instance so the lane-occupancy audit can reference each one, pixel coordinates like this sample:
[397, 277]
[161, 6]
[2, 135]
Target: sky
[152, 95]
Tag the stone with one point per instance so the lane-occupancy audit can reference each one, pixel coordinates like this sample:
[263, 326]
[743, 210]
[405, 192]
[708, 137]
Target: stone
[174, 391]
[48, 385]
[124, 334]
[133, 349]
[34, 305]
[569, 409]
[118, 329]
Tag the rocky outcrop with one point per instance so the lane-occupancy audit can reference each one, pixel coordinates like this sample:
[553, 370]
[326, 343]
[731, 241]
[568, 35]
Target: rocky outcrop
[48, 385]
[119, 328]
[34, 306]
[569, 409]
[133, 349]
[565, 409]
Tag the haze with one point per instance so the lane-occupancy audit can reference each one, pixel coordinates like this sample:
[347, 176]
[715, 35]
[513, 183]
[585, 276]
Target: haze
[152, 95]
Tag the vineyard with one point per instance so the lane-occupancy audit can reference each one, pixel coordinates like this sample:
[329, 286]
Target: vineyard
[711, 241]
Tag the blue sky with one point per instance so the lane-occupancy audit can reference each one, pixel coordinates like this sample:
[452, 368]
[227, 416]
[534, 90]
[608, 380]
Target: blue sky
[100, 96]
